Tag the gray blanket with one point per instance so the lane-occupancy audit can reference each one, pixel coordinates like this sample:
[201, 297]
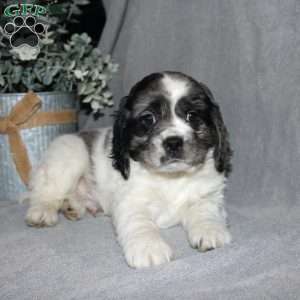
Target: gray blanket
[247, 52]
[81, 260]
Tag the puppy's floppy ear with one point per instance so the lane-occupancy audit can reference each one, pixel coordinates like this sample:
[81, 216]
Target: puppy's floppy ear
[222, 151]
[120, 142]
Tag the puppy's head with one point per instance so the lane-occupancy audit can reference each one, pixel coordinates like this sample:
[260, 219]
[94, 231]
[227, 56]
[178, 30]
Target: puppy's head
[168, 122]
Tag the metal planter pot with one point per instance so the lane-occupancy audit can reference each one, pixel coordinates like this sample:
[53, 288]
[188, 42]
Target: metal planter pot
[36, 139]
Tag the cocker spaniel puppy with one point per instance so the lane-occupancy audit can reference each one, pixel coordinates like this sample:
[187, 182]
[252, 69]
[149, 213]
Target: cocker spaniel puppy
[164, 162]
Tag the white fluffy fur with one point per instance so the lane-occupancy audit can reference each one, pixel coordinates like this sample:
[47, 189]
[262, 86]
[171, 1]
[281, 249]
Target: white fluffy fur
[176, 89]
[139, 206]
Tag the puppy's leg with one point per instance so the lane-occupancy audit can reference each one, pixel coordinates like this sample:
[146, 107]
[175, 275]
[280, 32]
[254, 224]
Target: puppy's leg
[56, 179]
[139, 236]
[205, 223]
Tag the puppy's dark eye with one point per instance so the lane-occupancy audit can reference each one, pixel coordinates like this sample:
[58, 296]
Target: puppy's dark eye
[147, 119]
[192, 116]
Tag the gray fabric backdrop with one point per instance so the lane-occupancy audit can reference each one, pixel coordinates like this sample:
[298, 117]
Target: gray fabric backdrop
[248, 54]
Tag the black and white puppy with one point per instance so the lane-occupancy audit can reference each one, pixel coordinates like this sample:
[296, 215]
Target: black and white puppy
[164, 162]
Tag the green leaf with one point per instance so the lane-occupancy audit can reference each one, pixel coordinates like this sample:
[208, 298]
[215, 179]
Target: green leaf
[87, 99]
[17, 74]
[67, 47]
[2, 81]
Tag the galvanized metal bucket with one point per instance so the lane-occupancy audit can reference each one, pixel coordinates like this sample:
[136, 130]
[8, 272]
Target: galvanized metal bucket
[36, 139]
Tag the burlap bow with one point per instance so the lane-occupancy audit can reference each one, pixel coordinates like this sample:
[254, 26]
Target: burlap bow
[25, 115]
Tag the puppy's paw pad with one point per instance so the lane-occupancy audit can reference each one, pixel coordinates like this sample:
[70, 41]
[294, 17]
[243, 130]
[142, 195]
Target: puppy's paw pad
[70, 212]
[41, 217]
[145, 252]
[209, 237]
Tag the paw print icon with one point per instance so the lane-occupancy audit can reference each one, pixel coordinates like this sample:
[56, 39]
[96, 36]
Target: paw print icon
[24, 34]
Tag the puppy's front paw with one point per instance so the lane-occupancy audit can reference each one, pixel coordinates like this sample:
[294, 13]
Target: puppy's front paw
[146, 252]
[39, 216]
[209, 236]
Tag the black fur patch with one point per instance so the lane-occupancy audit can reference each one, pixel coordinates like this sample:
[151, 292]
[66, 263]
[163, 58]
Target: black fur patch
[120, 142]
[223, 151]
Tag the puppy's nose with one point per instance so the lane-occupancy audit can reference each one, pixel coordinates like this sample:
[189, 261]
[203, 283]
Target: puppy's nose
[173, 144]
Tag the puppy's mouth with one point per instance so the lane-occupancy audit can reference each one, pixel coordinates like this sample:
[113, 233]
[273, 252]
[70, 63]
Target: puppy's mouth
[173, 164]
[166, 160]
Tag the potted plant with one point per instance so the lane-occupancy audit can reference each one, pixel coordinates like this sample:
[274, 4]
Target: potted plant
[45, 74]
